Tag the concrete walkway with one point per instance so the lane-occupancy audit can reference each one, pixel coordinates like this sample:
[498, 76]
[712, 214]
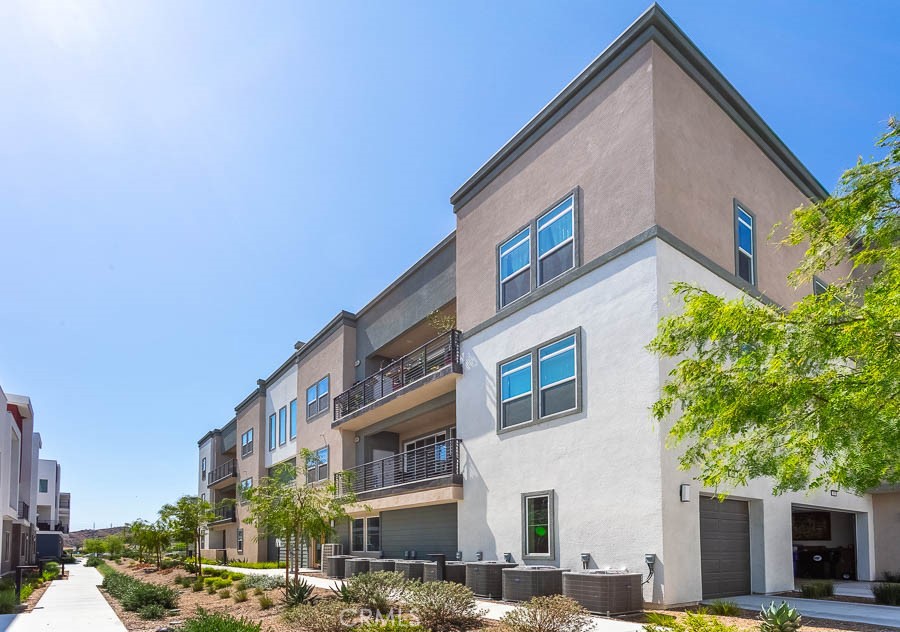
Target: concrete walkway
[823, 609]
[70, 605]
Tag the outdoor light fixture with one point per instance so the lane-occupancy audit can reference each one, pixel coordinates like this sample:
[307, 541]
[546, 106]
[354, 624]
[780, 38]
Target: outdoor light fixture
[507, 557]
[585, 560]
[684, 492]
[650, 559]
[479, 555]
[834, 492]
[459, 556]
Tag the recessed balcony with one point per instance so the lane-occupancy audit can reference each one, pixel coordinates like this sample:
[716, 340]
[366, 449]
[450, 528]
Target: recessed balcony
[419, 376]
[221, 476]
[224, 515]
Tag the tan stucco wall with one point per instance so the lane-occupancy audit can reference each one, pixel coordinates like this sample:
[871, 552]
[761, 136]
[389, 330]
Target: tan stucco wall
[886, 510]
[253, 465]
[604, 146]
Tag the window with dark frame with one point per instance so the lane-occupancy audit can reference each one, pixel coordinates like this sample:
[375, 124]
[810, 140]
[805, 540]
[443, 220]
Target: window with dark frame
[282, 425]
[272, 437]
[293, 418]
[745, 245]
[373, 534]
[537, 524]
[245, 485]
[358, 535]
[317, 398]
[202, 474]
[240, 540]
[819, 286]
[247, 442]
[317, 468]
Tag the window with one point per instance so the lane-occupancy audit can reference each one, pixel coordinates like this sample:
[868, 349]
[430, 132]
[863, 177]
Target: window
[245, 485]
[282, 426]
[744, 245]
[202, 496]
[202, 473]
[515, 268]
[429, 456]
[556, 390]
[819, 286]
[358, 533]
[42, 484]
[317, 398]
[373, 534]
[365, 534]
[293, 419]
[317, 468]
[6, 540]
[240, 540]
[247, 443]
[537, 524]
[272, 431]
[522, 267]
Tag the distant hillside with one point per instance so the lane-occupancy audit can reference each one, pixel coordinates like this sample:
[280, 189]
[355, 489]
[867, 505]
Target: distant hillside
[75, 539]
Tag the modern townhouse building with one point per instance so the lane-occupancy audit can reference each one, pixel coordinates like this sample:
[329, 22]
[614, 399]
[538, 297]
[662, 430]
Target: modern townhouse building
[19, 450]
[493, 402]
[218, 476]
[49, 475]
[65, 511]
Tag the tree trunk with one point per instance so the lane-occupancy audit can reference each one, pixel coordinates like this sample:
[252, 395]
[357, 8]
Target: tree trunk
[287, 561]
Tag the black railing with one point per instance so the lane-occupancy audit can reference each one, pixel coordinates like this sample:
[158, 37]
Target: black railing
[247, 448]
[23, 509]
[433, 356]
[220, 473]
[432, 461]
[224, 514]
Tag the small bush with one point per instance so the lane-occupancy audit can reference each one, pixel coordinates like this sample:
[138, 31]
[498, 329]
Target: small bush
[376, 591]
[660, 619]
[781, 618]
[51, 571]
[197, 586]
[8, 601]
[235, 577]
[266, 582]
[240, 596]
[258, 592]
[152, 611]
[144, 594]
[218, 622]
[547, 614]
[211, 590]
[692, 622]
[93, 561]
[265, 602]
[724, 608]
[27, 589]
[221, 583]
[818, 590]
[241, 585]
[324, 616]
[887, 593]
[224, 594]
[256, 565]
[299, 592]
[443, 605]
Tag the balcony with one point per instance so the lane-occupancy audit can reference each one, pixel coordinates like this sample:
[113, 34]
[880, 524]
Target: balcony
[420, 469]
[417, 377]
[223, 472]
[224, 515]
[23, 510]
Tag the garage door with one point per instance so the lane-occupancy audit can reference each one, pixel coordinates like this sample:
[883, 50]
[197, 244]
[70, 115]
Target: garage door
[724, 547]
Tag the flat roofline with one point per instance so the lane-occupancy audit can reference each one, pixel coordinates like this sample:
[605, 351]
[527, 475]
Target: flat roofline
[653, 25]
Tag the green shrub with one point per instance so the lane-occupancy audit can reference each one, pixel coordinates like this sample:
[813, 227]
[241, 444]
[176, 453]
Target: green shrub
[724, 608]
[299, 592]
[27, 589]
[93, 561]
[443, 605]
[781, 618]
[342, 592]
[6, 583]
[221, 583]
[324, 616]
[265, 582]
[224, 594]
[258, 592]
[190, 565]
[887, 593]
[144, 594]
[256, 565]
[547, 614]
[818, 589]
[211, 590]
[241, 585]
[218, 622]
[152, 611]
[692, 622]
[235, 576]
[240, 596]
[265, 602]
[8, 601]
[376, 591]
[659, 619]
[197, 586]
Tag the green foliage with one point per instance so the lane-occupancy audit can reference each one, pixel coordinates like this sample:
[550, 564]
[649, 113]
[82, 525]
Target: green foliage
[781, 618]
[265, 602]
[185, 520]
[265, 582]
[256, 565]
[239, 596]
[211, 589]
[258, 591]
[443, 605]
[224, 594]
[887, 593]
[235, 576]
[197, 586]
[93, 561]
[218, 622]
[724, 608]
[691, 622]
[114, 545]
[93, 546]
[817, 589]
[342, 592]
[152, 611]
[806, 396]
[298, 592]
[51, 571]
[135, 594]
[376, 591]
[327, 615]
[8, 601]
[660, 619]
[547, 614]
[27, 589]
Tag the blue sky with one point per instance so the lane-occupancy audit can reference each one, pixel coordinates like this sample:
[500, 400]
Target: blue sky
[176, 178]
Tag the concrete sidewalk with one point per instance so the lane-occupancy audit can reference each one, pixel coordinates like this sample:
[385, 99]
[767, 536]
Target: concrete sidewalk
[822, 609]
[70, 605]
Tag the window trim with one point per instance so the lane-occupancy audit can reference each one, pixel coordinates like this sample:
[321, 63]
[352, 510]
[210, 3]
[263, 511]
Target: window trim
[551, 525]
[292, 419]
[533, 262]
[319, 411]
[249, 436]
[754, 271]
[273, 438]
[282, 425]
[534, 352]
[242, 488]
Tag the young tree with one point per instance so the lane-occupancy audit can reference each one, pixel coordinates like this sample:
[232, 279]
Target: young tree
[807, 396]
[134, 536]
[114, 545]
[186, 520]
[93, 546]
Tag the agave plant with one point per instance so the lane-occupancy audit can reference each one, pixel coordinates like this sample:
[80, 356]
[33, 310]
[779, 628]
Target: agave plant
[781, 618]
[299, 592]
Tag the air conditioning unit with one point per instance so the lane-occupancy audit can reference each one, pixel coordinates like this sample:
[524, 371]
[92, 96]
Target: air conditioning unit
[332, 549]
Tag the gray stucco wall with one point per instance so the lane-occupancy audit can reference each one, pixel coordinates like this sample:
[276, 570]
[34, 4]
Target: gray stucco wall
[423, 529]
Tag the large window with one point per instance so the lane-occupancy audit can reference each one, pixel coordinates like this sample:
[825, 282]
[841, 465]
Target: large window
[202, 473]
[43, 483]
[247, 443]
[245, 486]
[240, 540]
[537, 525]
[523, 266]
[555, 391]
[358, 534]
[365, 534]
[272, 436]
[293, 418]
[317, 398]
[745, 244]
[317, 467]
[282, 425]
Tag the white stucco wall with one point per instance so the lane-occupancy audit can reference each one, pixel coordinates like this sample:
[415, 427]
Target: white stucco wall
[602, 463]
[770, 517]
[47, 469]
[205, 452]
[280, 393]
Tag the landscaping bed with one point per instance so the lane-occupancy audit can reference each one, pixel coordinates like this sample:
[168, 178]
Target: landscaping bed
[746, 620]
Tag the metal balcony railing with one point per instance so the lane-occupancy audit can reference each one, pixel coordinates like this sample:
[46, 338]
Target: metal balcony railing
[434, 355]
[432, 461]
[223, 471]
[225, 514]
[23, 509]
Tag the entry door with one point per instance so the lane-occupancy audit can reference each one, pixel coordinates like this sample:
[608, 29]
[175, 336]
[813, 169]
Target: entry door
[724, 547]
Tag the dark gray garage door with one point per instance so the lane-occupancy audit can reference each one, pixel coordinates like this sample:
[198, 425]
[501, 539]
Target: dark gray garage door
[724, 547]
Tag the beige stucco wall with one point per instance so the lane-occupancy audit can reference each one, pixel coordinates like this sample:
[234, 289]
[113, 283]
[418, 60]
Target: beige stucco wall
[886, 510]
[604, 146]
[251, 416]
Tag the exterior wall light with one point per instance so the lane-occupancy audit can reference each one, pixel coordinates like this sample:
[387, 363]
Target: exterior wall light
[479, 555]
[834, 492]
[507, 557]
[585, 560]
[684, 492]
